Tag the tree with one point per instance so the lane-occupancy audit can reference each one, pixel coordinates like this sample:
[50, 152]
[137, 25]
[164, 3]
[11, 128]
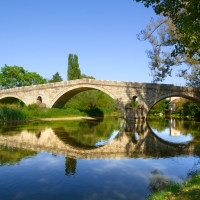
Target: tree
[14, 76]
[160, 107]
[185, 15]
[85, 76]
[56, 78]
[175, 39]
[73, 71]
[163, 36]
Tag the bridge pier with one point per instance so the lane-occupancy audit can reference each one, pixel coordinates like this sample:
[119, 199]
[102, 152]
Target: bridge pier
[135, 113]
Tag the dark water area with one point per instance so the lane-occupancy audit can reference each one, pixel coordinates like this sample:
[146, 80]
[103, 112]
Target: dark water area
[95, 159]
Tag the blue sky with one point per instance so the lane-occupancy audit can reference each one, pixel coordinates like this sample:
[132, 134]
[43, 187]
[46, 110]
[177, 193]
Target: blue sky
[40, 34]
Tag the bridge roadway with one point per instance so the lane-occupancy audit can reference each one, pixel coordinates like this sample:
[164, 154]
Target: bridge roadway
[123, 145]
[57, 94]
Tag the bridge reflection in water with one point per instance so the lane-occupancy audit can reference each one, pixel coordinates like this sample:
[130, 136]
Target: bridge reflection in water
[135, 139]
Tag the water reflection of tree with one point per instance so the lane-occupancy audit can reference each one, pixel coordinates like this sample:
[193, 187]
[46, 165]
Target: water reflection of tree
[90, 132]
[160, 123]
[186, 127]
[11, 155]
[158, 181]
[70, 166]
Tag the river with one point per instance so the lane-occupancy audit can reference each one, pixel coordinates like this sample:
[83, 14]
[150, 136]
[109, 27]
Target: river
[95, 159]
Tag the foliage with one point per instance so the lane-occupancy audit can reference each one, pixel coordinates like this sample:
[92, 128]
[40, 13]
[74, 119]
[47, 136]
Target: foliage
[73, 71]
[56, 78]
[159, 107]
[162, 35]
[85, 76]
[193, 78]
[90, 132]
[14, 76]
[11, 112]
[187, 190]
[34, 111]
[70, 166]
[11, 156]
[197, 149]
[186, 108]
[133, 103]
[93, 100]
[157, 123]
[184, 15]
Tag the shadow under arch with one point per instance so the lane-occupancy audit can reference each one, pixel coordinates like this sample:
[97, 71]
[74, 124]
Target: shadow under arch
[9, 99]
[61, 99]
[194, 99]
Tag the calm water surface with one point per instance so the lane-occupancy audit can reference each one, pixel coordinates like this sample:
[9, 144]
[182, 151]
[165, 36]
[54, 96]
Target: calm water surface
[99, 159]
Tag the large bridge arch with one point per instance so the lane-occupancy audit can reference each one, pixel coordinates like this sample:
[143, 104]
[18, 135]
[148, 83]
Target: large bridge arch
[9, 99]
[61, 99]
[191, 97]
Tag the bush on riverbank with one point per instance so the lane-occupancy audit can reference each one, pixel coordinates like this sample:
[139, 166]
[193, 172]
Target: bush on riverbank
[187, 190]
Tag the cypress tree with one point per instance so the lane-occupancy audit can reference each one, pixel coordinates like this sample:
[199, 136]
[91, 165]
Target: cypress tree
[73, 71]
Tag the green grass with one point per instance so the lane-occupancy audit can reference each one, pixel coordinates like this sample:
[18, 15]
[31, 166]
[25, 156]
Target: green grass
[33, 111]
[11, 112]
[187, 190]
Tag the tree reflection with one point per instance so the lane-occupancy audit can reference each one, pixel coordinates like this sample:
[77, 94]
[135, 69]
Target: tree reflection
[12, 155]
[159, 123]
[70, 166]
[158, 181]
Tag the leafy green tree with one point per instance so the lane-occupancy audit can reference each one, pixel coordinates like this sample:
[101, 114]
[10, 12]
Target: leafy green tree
[162, 35]
[160, 107]
[56, 78]
[184, 14]
[175, 39]
[33, 78]
[186, 108]
[73, 71]
[14, 76]
[85, 76]
[190, 109]
[193, 78]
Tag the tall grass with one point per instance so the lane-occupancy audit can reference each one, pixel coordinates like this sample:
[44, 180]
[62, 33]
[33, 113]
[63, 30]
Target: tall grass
[11, 112]
[34, 111]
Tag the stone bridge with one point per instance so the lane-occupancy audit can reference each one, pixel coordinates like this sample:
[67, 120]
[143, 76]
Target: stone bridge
[125, 144]
[57, 94]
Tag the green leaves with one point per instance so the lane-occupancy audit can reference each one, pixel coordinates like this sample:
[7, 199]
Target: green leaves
[73, 71]
[175, 39]
[56, 78]
[185, 15]
[14, 76]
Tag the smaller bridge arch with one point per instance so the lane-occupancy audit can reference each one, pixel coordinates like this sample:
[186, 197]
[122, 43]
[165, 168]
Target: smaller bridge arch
[193, 98]
[61, 99]
[9, 99]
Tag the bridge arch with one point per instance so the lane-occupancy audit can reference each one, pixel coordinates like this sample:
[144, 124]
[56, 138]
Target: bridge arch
[193, 98]
[61, 99]
[9, 99]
